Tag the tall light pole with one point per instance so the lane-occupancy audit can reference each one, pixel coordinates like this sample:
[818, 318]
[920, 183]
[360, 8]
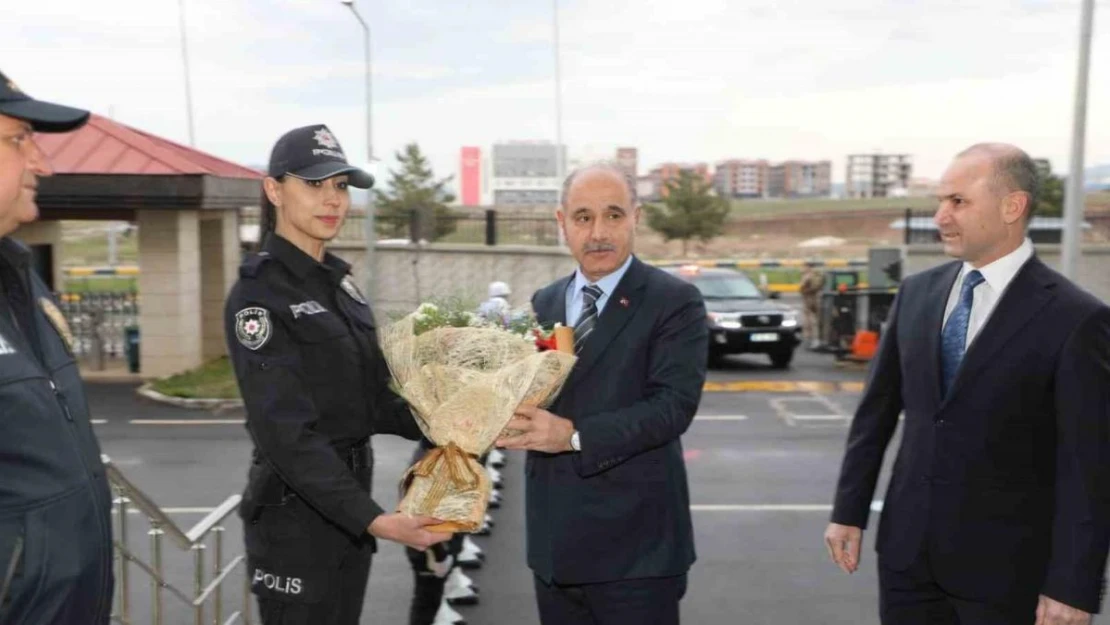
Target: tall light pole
[368, 221]
[1075, 196]
[185, 62]
[560, 154]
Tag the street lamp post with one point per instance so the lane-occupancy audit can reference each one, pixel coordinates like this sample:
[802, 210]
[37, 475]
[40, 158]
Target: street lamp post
[560, 164]
[185, 63]
[368, 220]
[1075, 195]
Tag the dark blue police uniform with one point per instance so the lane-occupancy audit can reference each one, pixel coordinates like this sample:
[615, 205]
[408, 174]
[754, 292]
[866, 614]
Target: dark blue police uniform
[55, 504]
[316, 386]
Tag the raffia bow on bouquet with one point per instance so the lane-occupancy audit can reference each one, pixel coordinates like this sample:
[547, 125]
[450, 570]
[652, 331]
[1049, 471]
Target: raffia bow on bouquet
[464, 378]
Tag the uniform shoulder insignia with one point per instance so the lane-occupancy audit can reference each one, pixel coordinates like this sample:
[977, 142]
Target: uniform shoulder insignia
[253, 264]
[58, 320]
[352, 289]
[253, 327]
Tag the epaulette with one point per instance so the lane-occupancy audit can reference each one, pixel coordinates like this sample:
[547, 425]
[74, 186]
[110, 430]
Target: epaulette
[253, 264]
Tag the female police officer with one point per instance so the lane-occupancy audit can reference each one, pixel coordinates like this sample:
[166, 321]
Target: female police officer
[315, 384]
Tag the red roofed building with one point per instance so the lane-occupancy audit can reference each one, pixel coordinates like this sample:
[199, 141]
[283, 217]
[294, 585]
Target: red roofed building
[186, 205]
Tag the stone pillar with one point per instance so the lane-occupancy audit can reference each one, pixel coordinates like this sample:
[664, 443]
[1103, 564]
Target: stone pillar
[219, 267]
[169, 291]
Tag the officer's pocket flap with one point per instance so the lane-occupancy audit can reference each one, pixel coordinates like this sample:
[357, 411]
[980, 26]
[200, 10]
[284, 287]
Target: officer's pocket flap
[319, 329]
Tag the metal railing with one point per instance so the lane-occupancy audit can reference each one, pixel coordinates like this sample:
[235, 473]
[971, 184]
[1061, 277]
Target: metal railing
[918, 228]
[194, 540]
[487, 228]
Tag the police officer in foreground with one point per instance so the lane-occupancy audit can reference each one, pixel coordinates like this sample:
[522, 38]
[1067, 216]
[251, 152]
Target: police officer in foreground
[55, 504]
[316, 386]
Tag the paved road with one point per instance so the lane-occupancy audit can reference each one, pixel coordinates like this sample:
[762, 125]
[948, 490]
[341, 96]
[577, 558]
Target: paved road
[762, 462]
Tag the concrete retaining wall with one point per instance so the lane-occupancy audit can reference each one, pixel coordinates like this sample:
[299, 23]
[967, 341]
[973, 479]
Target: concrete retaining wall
[409, 274]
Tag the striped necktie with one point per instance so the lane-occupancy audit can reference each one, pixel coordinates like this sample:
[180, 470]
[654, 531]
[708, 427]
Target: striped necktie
[586, 322]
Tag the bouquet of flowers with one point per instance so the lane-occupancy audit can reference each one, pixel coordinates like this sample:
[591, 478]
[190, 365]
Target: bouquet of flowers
[464, 376]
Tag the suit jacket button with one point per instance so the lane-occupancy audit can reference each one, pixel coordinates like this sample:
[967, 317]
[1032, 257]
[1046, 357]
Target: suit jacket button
[941, 423]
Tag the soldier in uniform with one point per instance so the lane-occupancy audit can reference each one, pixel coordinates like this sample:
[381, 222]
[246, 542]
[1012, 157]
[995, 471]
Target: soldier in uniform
[55, 504]
[316, 386]
[812, 283]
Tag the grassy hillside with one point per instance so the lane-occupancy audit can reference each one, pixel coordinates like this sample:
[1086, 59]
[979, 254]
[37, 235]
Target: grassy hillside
[760, 208]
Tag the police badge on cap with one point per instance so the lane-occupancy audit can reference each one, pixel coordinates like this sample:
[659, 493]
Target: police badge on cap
[313, 153]
[253, 327]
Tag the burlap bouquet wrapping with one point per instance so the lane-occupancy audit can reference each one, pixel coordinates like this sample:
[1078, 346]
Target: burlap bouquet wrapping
[463, 385]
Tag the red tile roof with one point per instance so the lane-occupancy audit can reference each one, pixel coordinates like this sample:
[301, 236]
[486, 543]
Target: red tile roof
[103, 146]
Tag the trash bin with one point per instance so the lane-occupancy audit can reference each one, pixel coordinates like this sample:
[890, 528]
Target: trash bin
[132, 335]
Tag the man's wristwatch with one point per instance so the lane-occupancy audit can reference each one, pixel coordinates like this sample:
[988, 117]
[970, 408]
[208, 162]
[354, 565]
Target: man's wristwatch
[575, 443]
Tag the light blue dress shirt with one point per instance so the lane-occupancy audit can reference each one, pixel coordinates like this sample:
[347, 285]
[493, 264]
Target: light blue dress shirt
[608, 284]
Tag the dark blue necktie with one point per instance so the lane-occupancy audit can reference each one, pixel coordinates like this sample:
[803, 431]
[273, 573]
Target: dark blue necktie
[954, 337]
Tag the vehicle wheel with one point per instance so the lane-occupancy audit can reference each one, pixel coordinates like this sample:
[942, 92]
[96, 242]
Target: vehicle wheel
[781, 359]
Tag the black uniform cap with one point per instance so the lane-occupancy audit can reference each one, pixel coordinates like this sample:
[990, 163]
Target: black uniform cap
[313, 153]
[43, 116]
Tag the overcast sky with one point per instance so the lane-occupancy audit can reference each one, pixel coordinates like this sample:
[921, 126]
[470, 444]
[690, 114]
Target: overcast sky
[682, 80]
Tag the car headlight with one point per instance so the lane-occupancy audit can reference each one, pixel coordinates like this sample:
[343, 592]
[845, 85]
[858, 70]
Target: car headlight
[790, 320]
[718, 320]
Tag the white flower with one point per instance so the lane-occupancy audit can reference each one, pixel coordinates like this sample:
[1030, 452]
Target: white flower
[427, 308]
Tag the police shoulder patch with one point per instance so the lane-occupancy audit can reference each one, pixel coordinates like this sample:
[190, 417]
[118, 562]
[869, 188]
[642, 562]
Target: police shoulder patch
[58, 320]
[253, 327]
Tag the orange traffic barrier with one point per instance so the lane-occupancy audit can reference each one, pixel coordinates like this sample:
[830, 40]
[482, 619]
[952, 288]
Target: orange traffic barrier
[864, 344]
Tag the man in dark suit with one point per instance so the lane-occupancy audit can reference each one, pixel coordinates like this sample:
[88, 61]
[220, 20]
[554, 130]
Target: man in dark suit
[998, 509]
[608, 509]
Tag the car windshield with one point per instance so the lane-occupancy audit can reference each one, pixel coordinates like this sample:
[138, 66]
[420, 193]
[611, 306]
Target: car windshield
[727, 287]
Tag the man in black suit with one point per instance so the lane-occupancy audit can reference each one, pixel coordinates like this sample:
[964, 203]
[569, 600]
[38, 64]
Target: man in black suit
[608, 509]
[998, 509]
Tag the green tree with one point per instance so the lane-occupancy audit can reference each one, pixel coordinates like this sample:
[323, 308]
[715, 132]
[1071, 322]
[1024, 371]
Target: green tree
[414, 187]
[690, 210]
[1051, 202]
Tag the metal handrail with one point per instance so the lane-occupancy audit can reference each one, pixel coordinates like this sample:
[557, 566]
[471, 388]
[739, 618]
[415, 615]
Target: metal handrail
[193, 540]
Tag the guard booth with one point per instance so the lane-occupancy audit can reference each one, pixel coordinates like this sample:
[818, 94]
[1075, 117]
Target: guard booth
[853, 313]
[184, 204]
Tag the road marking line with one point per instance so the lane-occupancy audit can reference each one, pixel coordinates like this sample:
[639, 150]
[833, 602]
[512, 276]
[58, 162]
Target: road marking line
[761, 507]
[837, 417]
[876, 506]
[186, 421]
[99, 421]
[721, 417]
[782, 386]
